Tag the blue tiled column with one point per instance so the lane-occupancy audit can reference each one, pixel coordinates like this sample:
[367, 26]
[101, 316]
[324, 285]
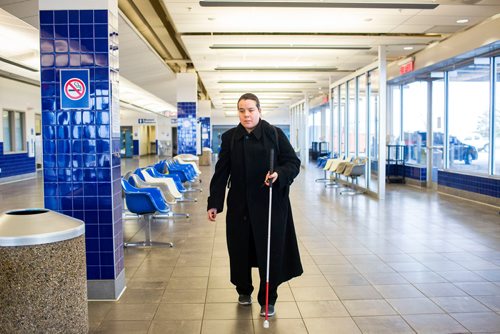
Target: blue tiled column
[186, 113]
[81, 145]
[205, 132]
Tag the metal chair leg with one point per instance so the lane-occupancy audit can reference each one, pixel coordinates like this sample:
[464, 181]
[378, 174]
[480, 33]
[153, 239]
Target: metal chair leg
[171, 215]
[147, 235]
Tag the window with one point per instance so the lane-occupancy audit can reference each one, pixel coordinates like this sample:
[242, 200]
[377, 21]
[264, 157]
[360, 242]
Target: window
[438, 108]
[395, 131]
[14, 134]
[373, 113]
[351, 117]
[342, 110]
[468, 117]
[415, 121]
[362, 115]
[335, 121]
[496, 134]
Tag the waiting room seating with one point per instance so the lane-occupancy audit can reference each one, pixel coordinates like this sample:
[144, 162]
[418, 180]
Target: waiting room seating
[145, 203]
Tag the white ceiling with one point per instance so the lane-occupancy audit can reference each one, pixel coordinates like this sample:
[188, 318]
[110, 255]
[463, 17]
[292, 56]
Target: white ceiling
[203, 27]
[200, 28]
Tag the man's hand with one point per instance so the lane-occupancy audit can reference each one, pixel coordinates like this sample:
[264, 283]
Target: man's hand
[212, 214]
[270, 177]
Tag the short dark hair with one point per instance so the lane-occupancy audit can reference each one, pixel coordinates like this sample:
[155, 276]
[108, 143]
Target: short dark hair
[250, 96]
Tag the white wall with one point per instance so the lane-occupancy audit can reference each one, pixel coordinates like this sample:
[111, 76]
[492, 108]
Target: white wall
[20, 97]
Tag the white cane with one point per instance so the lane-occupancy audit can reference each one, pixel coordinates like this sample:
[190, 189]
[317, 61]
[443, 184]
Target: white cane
[271, 165]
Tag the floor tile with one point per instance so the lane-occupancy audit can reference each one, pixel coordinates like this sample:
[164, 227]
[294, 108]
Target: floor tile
[357, 292]
[227, 327]
[322, 309]
[314, 293]
[479, 322]
[414, 306]
[358, 308]
[460, 304]
[184, 296]
[284, 310]
[123, 327]
[344, 325]
[440, 290]
[434, 323]
[280, 326]
[175, 327]
[398, 291]
[383, 324]
[128, 312]
[179, 312]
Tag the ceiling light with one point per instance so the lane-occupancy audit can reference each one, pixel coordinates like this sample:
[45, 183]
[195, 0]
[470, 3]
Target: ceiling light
[264, 91]
[267, 82]
[321, 4]
[462, 21]
[408, 48]
[285, 47]
[280, 69]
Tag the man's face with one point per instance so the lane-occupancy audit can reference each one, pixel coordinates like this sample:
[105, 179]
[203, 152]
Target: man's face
[249, 114]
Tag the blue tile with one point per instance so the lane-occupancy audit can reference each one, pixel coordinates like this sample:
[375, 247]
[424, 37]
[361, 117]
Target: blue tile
[89, 146]
[76, 117]
[103, 131]
[62, 60]
[46, 17]
[46, 31]
[89, 202]
[48, 75]
[92, 245]
[87, 45]
[92, 252]
[103, 160]
[101, 59]
[105, 217]
[61, 31]
[49, 160]
[61, 17]
[51, 203]
[104, 175]
[101, 31]
[77, 161]
[90, 176]
[105, 229]
[107, 258]
[92, 217]
[61, 45]
[64, 175]
[88, 117]
[102, 74]
[49, 147]
[74, 16]
[89, 132]
[77, 132]
[49, 189]
[104, 189]
[86, 31]
[77, 187]
[106, 245]
[48, 132]
[89, 160]
[78, 203]
[86, 16]
[102, 45]
[63, 132]
[48, 90]
[93, 272]
[102, 118]
[47, 60]
[63, 160]
[76, 146]
[48, 104]
[74, 60]
[101, 16]
[107, 272]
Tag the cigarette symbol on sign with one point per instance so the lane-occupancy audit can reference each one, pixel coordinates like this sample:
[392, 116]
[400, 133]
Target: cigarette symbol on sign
[74, 89]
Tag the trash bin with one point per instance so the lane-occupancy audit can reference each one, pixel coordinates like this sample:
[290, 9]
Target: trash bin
[206, 157]
[43, 283]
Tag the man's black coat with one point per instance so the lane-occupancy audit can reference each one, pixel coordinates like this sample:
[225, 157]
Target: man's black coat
[245, 163]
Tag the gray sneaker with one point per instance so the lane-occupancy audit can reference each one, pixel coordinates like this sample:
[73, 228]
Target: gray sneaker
[245, 300]
[270, 310]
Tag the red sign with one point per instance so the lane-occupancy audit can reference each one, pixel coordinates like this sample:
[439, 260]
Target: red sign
[407, 68]
[74, 89]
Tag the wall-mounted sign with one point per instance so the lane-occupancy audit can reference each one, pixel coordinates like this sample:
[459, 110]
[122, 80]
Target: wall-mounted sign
[74, 89]
[146, 121]
[407, 67]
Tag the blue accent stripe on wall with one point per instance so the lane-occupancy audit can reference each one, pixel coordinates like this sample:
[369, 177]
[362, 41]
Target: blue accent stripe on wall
[473, 183]
[136, 146]
[15, 164]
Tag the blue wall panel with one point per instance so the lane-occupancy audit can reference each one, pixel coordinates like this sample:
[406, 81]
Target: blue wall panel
[473, 183]
[186, 127]
[205, 132]
[81, 152]
[15, 164]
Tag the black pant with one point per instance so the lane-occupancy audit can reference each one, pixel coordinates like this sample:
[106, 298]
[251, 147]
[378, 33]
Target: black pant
[246, 288]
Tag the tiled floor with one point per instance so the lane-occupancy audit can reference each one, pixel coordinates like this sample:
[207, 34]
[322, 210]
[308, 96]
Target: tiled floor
[415, 262]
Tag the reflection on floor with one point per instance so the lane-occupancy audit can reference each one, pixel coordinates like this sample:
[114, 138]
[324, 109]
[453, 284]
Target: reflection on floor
[415, 262]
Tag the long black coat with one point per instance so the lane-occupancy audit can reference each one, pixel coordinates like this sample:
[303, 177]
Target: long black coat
[246, 163]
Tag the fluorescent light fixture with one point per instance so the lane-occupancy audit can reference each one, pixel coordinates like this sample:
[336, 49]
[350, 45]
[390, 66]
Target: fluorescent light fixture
[24, 67]
[481, 61]
[290, 92]
[267, 82]
[461, 21]
[387, 4]
[280, 69]
[437, 75]
[408, 48]
[284, 47]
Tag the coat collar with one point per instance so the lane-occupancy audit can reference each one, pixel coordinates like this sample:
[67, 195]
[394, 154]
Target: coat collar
[257, 131]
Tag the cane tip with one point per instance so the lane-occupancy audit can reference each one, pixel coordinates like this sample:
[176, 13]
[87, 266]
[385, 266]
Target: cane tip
[266, 323]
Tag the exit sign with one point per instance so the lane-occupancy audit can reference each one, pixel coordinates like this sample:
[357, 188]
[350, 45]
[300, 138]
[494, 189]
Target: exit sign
[407, 67]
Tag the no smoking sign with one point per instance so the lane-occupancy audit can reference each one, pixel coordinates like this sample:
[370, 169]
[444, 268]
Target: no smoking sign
[74, 89]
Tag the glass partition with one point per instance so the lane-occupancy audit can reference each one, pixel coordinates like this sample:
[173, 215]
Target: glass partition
[468, 117]
[351, 118]
[438, 108]
[496, 108]
[395, 128]
[373, 116]
[335, 120]
[342, 111]
[415, 122]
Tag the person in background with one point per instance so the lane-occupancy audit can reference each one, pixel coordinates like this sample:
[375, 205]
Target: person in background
[243, 167]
